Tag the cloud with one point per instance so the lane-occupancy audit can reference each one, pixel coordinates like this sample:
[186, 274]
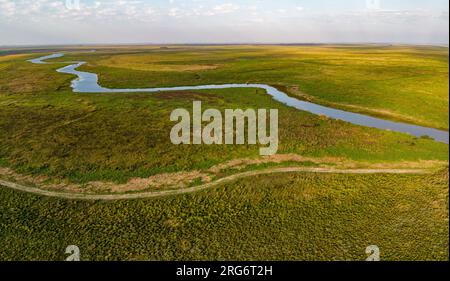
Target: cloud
[225, 8]
[40, 10]
[7, 8]
[216, 21]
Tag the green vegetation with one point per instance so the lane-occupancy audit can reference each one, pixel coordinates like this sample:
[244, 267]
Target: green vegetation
[395, 82]
[294, 217]
[47, 129]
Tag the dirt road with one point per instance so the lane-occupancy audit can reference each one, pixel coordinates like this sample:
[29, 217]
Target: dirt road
[153, 194]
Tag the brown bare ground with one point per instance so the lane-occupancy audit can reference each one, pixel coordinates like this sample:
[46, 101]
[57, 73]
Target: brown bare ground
[178, 180]
[341, 163]
[184, 95]
[182, 180]
[166, 180]
[277, 159]
[162, 193]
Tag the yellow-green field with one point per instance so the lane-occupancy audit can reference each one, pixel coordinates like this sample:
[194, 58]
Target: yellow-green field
[55, 139]
[398, 82]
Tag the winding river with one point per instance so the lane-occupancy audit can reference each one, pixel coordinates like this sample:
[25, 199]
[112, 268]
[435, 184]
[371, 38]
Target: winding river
[88, 83]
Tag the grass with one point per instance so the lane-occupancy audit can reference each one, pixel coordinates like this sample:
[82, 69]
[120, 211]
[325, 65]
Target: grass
[123, 136]
[294, 217]
[46, 129]
[395, 82]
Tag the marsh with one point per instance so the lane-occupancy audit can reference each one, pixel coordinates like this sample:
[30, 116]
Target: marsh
[213, 132]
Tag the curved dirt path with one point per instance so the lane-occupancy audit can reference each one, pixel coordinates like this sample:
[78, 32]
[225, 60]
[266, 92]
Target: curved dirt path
[153, 194]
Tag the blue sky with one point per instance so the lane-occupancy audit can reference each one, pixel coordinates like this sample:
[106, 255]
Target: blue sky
[223, 21]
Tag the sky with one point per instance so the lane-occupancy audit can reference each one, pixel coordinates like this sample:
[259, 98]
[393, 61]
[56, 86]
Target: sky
[47, 22]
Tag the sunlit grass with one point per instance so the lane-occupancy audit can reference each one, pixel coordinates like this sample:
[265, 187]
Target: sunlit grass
[400, 82]
[47, 129]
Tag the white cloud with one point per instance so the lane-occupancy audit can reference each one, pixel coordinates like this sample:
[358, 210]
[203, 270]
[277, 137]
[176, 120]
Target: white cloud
[212, 21]
[223, 9]
[41, 10]
[175, 12]
[7, 8]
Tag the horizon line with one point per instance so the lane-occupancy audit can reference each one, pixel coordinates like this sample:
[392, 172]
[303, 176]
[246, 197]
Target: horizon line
[221, 44]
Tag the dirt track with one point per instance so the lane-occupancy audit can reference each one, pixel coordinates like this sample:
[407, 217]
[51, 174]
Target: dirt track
[127, 196]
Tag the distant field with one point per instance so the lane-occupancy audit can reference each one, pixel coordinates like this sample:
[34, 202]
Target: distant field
[398, 82]
[294, 217]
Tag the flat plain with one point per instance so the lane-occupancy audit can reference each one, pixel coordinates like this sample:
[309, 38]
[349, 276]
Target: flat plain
[58, 140]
